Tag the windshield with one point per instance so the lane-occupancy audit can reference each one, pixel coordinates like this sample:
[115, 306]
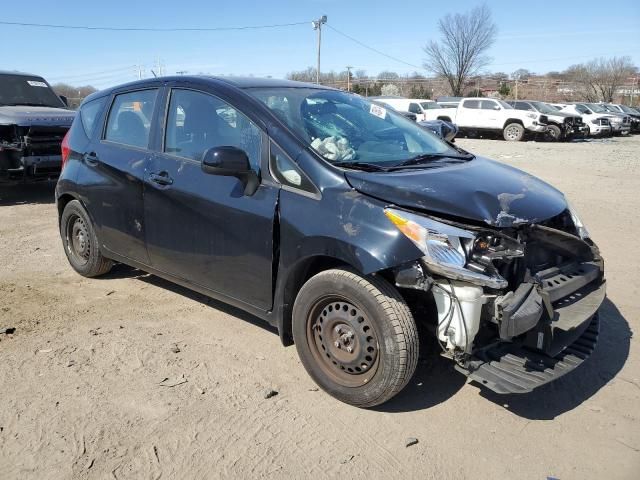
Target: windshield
[544, 108]
[626, 109]
[505, 105]
[343, 127]
[597, 108]
[27, 90]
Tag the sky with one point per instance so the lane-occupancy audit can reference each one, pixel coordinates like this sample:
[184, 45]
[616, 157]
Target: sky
[540, 36]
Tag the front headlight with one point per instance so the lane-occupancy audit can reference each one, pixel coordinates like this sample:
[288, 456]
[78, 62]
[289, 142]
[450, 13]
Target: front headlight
[444, 246]
[583, 233]
[532, 115]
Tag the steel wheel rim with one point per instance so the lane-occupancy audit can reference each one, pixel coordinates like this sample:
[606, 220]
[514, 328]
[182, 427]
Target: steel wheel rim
[77, 240]
[343, 341]
[513, 132]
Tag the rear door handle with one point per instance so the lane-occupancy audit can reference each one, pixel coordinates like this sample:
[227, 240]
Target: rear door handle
[91, 158]
[161, 178]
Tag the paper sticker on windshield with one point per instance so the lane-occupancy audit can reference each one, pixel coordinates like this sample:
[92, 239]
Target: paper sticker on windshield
[33, 83]
[378, 111]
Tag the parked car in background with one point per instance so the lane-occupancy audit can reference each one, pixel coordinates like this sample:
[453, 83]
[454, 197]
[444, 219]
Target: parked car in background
[419, 106]
[620, 123]
[477, 115]
[560, 125]
[409, 115]
[33, 122]
[446, 130]
[623, 109]
[335, 220]
[599, 125]
[448, 102]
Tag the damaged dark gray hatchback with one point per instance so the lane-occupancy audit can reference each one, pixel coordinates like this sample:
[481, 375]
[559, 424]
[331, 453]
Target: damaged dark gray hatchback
[343, 224]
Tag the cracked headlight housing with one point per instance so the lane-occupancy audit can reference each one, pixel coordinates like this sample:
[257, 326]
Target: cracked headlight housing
[583, 233]
[444, 246]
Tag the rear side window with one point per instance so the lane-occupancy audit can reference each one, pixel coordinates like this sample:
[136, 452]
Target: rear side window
[89, 113]
[471, 104]
[129, 120]
[488, 105]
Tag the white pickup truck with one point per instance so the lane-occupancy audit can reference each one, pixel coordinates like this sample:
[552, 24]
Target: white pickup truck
[491, 115]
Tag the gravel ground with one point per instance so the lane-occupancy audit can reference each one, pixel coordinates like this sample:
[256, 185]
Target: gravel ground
[129, 376]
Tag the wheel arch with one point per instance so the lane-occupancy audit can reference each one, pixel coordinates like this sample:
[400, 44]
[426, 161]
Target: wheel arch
[512, 120]
[297, 275]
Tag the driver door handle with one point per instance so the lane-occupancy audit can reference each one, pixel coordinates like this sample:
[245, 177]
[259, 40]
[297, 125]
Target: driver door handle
[161, 178]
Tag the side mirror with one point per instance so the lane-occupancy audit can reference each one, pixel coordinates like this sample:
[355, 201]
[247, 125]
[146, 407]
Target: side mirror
[496, 107]
[230, 162]
[64, 100]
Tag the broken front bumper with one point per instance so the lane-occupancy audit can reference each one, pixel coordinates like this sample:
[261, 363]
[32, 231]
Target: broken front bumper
[509, 368]
[537, 127]
[547, 329]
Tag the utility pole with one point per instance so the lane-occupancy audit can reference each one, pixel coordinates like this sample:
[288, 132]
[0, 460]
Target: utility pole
[516, 94]
[317, 25]
[348, 67]
[633, 89]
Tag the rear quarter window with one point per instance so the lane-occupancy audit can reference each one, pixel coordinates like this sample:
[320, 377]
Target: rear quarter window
[89, 114]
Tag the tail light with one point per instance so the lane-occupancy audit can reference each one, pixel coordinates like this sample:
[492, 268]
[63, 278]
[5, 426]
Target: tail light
[66, 150]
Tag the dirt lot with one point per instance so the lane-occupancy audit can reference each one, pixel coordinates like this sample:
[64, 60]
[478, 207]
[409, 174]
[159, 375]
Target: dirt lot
[132, 377]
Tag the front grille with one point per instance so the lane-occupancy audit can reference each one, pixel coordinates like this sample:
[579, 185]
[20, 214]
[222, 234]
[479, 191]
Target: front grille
[543, 119]
[43, 140]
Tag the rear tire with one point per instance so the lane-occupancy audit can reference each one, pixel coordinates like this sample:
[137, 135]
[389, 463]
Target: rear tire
[355, 336]
[513, 132]
[81, 243]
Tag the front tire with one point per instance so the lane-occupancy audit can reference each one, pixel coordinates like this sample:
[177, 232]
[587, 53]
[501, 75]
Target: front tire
[513, 132]
[81, 243]
[554, 133]
[355, 336]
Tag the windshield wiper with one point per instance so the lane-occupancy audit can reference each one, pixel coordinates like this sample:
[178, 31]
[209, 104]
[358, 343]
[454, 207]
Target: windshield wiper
[429, 157]
[367, 167]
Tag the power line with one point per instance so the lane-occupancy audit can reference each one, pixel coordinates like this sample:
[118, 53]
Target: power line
[90, 74]
[151, 29]
[371, 48]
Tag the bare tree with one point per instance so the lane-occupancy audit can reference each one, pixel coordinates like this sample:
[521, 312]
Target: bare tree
[74, 95]
[388, 75]
[460, 53]
[600, 79]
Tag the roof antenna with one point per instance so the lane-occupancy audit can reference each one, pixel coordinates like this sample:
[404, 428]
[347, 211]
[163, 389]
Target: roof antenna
[154, 73]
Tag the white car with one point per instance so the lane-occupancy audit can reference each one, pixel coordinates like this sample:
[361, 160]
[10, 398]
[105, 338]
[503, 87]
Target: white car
[599, 125]
[487, 114]
[419, 106]
[620, 123]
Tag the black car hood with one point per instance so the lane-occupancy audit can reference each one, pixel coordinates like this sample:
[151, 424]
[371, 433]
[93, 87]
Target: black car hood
[480, 190]
[26, 116]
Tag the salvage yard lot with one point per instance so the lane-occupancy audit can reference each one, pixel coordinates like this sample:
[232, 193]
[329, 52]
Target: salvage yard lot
[129, 376]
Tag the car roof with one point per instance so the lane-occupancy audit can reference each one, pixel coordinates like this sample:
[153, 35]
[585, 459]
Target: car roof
[238, 82]
[15, 72]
